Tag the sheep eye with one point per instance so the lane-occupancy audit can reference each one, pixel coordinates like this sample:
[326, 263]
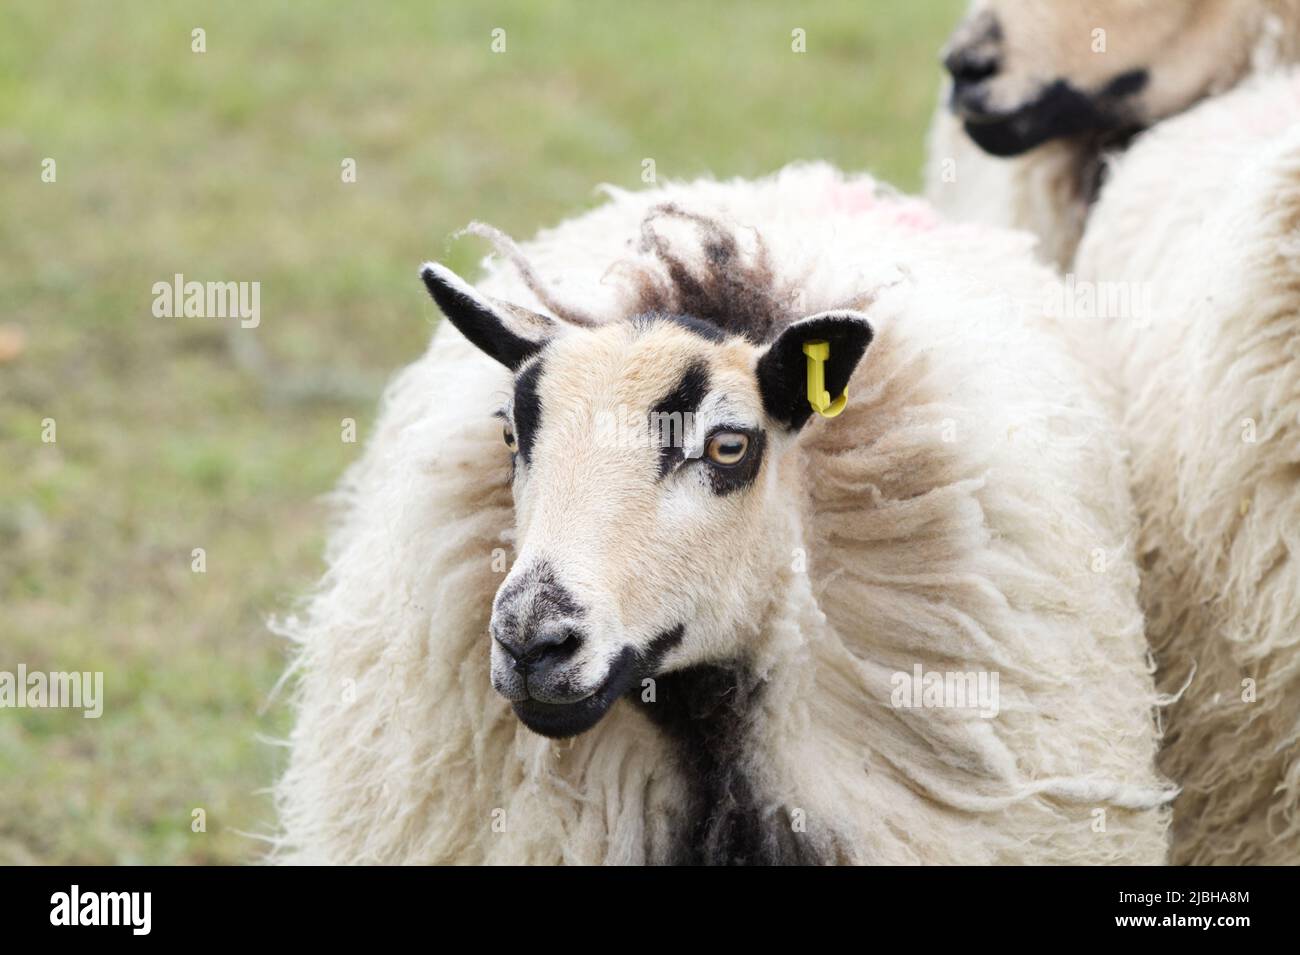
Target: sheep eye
[727, 447]
[508, 434]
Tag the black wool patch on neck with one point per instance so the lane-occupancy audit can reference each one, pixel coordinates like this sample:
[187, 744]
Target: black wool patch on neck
[707, 712]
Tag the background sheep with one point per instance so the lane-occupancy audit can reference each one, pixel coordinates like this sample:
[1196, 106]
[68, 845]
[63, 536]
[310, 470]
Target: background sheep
[1204, 210]
[966, 512]
[1041, 92]
[1218, 586]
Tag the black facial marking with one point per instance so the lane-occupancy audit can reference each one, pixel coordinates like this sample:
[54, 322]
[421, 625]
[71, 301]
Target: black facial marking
[561, 720]
[1126, 84]
[706, 330]
[1060, 110]
[673, 414]
[707, 712]
[527, 409]
[664, 643]
[783, 369]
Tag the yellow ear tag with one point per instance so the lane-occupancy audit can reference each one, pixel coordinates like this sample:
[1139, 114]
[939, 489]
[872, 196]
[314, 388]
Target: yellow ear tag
[818, 396]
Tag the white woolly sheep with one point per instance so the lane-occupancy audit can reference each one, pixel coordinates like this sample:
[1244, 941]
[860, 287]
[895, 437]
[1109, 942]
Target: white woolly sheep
[758, 596]
[1224, 604]
[1205, 209]
[1042, 92]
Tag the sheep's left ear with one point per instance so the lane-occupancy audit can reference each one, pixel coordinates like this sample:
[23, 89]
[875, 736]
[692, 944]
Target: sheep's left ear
[783, 367]
[509, 333]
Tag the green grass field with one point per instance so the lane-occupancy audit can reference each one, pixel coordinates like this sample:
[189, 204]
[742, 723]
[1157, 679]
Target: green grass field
[176, 434]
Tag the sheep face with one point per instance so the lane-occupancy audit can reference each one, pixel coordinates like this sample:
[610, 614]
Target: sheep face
[652, 520]
[1026, 73]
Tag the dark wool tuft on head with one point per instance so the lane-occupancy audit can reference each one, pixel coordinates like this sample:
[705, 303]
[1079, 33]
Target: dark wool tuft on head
[723, 287]
[714, 284]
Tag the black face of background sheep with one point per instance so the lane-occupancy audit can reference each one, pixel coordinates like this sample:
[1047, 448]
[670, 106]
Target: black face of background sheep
[1025, 74]
[640, 548]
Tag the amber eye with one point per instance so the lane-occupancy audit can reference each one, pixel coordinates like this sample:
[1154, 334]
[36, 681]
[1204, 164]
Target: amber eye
[508, 433]
[727, 447]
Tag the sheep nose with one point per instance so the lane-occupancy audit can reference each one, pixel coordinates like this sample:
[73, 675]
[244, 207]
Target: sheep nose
[970, 65]
[539, 649]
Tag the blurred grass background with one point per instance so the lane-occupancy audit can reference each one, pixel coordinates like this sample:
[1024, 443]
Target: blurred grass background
[180, 433]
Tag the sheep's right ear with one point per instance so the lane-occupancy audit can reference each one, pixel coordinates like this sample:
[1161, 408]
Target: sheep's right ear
[783, 368]
[506, 332]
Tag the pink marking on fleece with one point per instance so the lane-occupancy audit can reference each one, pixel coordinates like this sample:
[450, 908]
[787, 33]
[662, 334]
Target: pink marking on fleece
[852, 198]
[916, 214]
[857, 198]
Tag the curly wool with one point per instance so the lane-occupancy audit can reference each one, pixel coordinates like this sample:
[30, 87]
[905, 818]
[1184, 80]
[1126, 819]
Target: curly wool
[968, 512]
[1210, 395]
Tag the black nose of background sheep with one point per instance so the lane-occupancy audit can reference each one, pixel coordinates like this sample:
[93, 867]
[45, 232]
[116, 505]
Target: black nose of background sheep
[971, 65]
[973, 55]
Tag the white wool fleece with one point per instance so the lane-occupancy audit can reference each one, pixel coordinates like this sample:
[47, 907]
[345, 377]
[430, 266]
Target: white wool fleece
[968, 512]
[1205, 210]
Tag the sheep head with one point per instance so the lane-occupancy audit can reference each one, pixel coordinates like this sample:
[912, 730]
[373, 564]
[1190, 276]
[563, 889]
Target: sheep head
[1027, 73]
[651, 522]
